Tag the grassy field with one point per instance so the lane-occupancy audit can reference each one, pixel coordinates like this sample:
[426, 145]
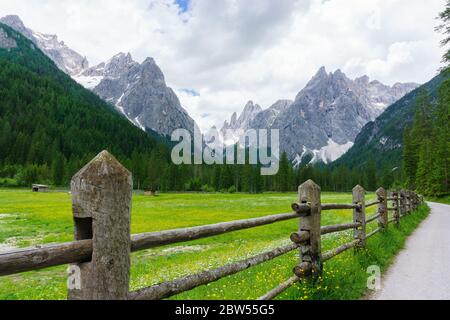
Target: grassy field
[30, 218]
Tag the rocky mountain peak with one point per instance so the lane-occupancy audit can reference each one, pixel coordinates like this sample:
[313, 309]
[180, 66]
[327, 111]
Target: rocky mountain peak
[326, 116]
[250, 109]
[151, 70]
[321, 73]
[17, 24]
[65, 58]
[118, 64]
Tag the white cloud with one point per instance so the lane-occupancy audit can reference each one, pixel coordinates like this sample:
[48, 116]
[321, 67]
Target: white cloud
[231, 51]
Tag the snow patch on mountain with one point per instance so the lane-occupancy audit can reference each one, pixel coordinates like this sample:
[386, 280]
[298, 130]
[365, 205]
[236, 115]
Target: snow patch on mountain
[331, 152]
[89, 82]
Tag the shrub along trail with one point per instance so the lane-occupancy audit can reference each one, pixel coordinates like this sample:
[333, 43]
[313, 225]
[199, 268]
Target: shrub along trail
[421, 271]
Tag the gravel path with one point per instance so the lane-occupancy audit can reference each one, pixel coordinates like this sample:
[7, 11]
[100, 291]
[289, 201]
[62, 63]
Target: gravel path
[422, 270]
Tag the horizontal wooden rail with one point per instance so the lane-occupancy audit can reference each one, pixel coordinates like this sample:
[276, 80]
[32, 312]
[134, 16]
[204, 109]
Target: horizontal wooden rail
[170, 288]
[45, 256]
[280, 289]
[372, 203]
[373, 218]
[156, 239]
[81, 251]
[334, 252]
[373, 233]
[339, 206]
[299, 237]
[338, 228]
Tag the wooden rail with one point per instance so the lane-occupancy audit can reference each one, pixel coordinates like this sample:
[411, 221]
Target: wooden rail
[102, 246]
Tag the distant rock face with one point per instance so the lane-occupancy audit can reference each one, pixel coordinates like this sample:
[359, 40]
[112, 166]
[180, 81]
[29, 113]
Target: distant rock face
[326, 116]
[266, 118]
[65, 58]
[139, 92]
[238, 125]
[5, 41]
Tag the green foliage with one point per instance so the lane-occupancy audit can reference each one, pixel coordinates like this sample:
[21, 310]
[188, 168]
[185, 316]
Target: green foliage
[49, 121]
[445, 29]
[383, 138]
[26, 220]
[427, 145]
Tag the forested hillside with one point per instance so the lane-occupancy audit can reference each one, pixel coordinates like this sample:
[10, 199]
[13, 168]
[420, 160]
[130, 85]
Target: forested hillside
[383, 138]
[50, 126]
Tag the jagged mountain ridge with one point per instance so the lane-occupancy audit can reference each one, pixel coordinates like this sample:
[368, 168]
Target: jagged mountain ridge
[382, 139]
[65, 58]
[327, 115]
[137, 91]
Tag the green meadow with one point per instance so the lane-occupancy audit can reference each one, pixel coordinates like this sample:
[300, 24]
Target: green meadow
[28, 219]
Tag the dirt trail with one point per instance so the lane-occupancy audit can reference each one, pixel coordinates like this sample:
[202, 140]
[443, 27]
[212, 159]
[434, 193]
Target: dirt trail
[422, 270]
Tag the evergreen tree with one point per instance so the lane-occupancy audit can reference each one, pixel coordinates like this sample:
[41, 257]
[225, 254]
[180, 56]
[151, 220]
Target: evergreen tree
[445, 29]
[58, 167]
[283, 174]
[423, 169]
[410, 158]
[371, 175]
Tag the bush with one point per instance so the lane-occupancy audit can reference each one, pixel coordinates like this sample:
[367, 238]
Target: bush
[207, 188]
[232, 189]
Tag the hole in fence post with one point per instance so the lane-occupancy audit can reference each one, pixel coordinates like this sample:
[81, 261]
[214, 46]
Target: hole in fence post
[83, 228]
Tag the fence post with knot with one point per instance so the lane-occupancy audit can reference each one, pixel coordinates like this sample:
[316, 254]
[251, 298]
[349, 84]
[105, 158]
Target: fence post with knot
[382, 208]
[310, 250]
[101, 201]
[359, 215]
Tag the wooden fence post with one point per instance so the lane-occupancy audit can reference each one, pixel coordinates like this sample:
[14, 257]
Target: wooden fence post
[310, 251]
[408, 202]
[402, 203]
[396, 205]
[359, 215]
[101, 200]
[382, 208]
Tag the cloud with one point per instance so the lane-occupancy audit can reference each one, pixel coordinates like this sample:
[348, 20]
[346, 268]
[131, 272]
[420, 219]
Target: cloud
[231, 51]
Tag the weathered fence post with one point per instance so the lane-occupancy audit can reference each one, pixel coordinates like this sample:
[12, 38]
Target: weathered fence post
[101, 200]
[402, 199]
[382, 208]
[408, 202]
[396, 205]
[359, 215]
[310, 250]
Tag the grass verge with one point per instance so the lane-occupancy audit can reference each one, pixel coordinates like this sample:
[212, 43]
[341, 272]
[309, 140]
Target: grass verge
[29, 219]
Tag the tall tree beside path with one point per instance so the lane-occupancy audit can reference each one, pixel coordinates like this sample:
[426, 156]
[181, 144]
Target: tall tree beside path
[445, 29]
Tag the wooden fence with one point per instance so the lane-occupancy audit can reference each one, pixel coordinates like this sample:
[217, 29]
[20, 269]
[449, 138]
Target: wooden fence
[101, 198]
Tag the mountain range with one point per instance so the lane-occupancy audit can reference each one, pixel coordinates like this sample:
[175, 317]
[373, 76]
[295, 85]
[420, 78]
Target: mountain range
[319, 125]
[47, 119]
[382, 139]
[323, 121]
[137, 91]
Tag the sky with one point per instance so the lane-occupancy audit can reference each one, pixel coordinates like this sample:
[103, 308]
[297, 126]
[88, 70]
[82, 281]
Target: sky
[219, 54]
